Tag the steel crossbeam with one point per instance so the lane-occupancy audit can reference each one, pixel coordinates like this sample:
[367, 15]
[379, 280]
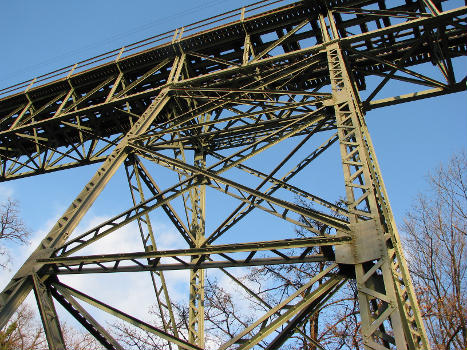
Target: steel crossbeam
[155, 256]
[209, 105]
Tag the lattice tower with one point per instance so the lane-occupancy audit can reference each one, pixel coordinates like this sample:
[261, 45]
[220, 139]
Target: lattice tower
[205, 102]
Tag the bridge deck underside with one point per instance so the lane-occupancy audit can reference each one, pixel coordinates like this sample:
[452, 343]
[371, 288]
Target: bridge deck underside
[201, 111]
[103, 102]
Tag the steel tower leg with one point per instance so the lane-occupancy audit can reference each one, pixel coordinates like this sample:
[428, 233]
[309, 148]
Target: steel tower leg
[197, 228]
[22, 283]
[385, 291]
[49, 316]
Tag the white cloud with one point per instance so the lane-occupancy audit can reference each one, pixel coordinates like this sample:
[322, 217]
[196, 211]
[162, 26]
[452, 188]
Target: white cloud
[132, 293]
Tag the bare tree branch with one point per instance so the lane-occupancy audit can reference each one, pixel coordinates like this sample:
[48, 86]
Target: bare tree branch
[437, 254]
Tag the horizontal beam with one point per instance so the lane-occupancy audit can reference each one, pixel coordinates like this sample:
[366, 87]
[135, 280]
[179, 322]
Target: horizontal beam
[204, 251]
[423, 21]
[414, 96]
[61, 269]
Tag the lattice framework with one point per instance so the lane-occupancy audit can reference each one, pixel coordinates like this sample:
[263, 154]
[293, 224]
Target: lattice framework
[210, 102]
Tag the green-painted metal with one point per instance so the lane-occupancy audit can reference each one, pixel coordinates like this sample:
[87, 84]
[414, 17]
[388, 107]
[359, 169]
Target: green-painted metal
[208, 101]
[135, 171]
[48, 314]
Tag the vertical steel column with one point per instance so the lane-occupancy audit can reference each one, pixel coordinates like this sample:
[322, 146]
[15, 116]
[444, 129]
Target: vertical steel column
[384, 310]
[194, 207]
[407, 301]
[197, 228]
[147, 236]
[361, 201]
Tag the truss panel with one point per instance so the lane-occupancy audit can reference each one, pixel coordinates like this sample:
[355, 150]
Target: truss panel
[239, 113]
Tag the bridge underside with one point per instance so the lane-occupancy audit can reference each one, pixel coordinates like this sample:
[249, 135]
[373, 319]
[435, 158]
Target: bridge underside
[236, 116]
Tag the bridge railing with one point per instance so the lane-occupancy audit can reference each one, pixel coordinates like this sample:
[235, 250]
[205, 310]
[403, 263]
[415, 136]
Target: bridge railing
[147, 44]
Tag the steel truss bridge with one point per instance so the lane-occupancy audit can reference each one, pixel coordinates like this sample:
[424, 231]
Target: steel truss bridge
[205, 102]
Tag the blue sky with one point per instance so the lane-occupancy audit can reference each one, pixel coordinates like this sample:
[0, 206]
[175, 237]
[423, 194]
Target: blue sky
[409, 139]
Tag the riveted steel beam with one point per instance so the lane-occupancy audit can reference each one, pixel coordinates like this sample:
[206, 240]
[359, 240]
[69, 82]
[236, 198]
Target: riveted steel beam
[48, 314]
[10, 299]
[130, 319]
[85, 319]
[205, 103]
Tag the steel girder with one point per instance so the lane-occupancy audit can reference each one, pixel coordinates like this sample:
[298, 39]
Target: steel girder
[206, 107]
[75, 120]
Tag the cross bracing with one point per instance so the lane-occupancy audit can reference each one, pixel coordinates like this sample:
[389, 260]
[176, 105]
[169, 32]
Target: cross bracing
[205, 103]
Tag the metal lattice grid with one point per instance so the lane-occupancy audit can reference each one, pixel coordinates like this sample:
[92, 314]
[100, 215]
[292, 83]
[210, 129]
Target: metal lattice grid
[206, 102]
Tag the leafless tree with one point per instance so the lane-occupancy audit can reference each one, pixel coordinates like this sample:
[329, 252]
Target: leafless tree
[225, 314]
[134, 338]
[12, 229]
[436, 229]
[79, 340]
[23, 332]
[436, 249]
